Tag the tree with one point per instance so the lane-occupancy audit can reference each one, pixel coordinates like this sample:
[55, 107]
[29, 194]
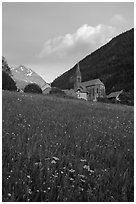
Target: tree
[7, 82]
[33, 88]
[5, 66]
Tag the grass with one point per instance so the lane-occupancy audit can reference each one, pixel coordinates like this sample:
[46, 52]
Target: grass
[57, 149]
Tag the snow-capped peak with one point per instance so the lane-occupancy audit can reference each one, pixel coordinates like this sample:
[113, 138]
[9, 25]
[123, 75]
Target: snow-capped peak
[24, 76]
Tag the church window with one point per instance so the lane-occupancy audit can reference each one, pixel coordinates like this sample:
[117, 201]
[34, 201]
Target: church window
[93, 91]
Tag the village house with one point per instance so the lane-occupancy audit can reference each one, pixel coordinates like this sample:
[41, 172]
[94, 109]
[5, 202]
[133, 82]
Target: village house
[46, 88]
[88, 90]
[114, 96]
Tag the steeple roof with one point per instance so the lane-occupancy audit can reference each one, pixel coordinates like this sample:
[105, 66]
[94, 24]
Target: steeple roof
[78, 73]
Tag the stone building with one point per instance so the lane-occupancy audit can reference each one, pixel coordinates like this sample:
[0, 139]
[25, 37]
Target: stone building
[88, 90]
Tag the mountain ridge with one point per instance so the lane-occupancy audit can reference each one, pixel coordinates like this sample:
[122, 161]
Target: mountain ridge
[112, 63]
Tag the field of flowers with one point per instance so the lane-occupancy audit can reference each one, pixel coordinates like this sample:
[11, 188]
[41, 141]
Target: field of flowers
[56, 149]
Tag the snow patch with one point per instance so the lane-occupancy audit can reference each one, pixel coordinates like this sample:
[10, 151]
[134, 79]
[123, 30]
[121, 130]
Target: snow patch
[22, 68]
[29, 74]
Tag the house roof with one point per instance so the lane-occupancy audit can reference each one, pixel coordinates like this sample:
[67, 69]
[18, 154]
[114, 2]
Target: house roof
[92, 82]
[45, 86]
[114, 94]
[82, 88]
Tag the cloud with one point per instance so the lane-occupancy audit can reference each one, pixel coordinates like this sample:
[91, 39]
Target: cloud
[84, 41]
[118, 20]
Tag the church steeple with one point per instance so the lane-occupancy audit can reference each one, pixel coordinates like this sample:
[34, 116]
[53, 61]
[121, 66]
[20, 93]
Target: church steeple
[78, 77]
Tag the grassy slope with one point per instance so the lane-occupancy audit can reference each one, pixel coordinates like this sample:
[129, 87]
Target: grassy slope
[92, 144]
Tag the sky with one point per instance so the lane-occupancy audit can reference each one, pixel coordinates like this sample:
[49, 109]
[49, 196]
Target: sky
[51, 37]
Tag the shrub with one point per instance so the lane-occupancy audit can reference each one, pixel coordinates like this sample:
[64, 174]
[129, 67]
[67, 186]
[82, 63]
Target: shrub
[7, 82]
[55, 90]
[33, 88]
[127, 98]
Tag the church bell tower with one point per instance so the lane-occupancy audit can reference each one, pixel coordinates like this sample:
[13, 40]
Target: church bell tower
[78, 78]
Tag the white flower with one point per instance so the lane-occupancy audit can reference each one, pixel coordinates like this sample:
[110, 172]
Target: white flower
[71, 170]
[55, 158]
[83, 160]
[53, 162]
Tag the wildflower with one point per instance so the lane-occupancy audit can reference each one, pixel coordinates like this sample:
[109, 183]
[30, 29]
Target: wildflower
[91, 171]
[71, 170]
[55, 158]
[81, 189]
[88, 168]
[9, 194]
[83, 176]
[55, 175]
[83, 160]
[29, 191]
[82, 180]
[53, 162]
[38, 163]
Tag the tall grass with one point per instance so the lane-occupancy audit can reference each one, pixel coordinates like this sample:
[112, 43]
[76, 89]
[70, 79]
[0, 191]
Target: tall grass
[57, 149]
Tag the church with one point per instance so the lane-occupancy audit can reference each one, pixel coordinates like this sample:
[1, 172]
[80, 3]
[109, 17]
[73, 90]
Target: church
[88, 90]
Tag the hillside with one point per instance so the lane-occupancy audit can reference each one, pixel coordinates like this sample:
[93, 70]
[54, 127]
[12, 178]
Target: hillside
[113, 64]
[52, 152]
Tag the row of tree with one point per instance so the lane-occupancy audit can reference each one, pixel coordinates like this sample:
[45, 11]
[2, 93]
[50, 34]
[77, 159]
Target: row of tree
[9, 84]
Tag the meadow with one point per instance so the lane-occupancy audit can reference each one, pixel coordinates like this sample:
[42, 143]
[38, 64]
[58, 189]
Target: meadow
[57, 149]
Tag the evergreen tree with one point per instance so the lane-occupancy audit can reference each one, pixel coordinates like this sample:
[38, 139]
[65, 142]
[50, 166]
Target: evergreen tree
[7, 82]
[5, 66]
